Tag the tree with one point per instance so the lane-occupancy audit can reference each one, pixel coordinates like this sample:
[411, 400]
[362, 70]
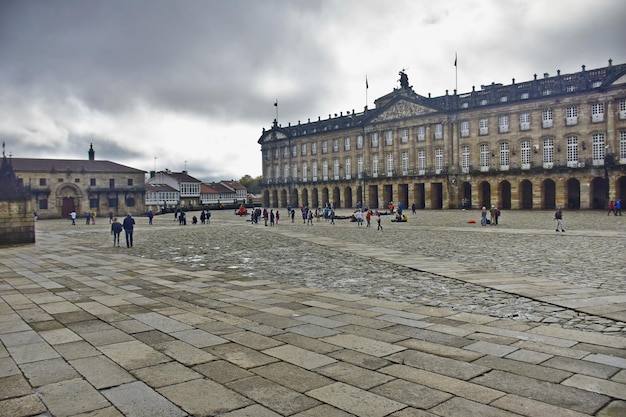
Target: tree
[253, 185]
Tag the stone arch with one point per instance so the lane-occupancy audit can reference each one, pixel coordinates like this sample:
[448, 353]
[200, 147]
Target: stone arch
[548, 194]
[347, 196]
[525, 194]
[315, 198]
[325, 196]
[484, 193]
[265, 199]
[295, 201]
[505, 195]
[572, 194]
[336, 197]
[597, 193]
[466, 194]
[68, 198]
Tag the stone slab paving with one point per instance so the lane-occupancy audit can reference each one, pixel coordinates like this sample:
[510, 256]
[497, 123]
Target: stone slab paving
[311, 321]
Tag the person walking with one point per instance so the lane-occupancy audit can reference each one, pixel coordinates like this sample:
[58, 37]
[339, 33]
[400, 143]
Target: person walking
[368, 217]
[272, 218]
[380, 226]
[116, 230]
[277, 217]
[359, 218]
[73, 217]
[618, 207]
[129, 226]
[332, 217]
[611, 208]
[558, 216]
[150, 216]
[492, 215]
[483, 216]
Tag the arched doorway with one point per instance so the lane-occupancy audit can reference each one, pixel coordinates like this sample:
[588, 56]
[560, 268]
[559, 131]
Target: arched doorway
[597, 190]
[336, 197]
[572, 188]
[315, 199]
[548, 194]
[484, 189]
[347, 196]
[466, 195]
[68, 196]
[505, 195]
[325, 196]
[526, 194]
[265, 200]
[283, 199]
[294, 198]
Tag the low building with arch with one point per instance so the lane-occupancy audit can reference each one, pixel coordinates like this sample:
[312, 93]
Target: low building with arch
[539, 144]
[60, 186]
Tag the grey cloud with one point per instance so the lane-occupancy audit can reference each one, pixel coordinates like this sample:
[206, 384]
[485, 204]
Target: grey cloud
[203, 57]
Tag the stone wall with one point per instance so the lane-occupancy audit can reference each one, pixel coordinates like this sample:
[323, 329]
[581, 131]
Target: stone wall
[17, 223]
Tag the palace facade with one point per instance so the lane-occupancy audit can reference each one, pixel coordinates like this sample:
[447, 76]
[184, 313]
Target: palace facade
[539, 144]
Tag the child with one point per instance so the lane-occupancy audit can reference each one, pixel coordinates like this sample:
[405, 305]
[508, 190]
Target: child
[116, 229]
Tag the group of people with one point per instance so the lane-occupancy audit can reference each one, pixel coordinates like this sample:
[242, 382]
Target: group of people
[128, 226]
[615, 207]
[270, 218]
[494, 215]
[359, 216]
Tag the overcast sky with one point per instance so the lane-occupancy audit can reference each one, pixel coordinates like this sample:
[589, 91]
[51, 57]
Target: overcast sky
[191, 84]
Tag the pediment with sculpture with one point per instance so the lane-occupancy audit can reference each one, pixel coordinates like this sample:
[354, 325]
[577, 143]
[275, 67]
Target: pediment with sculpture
[401, 110]
[273, 135]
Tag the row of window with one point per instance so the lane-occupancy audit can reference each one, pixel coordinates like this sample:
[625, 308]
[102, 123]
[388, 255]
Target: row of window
[486, 156]
[525, 95]
[92, 181]
[547, 120]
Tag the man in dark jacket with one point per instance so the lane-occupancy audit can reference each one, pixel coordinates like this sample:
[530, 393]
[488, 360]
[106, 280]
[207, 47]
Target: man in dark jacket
[129, 225]
[116, 229]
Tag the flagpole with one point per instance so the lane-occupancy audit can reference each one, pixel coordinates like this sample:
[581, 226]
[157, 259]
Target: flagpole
[366, 88]
[456, 75]
[276, 105]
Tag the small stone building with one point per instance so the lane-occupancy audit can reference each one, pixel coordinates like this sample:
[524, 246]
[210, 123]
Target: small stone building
[59, 186]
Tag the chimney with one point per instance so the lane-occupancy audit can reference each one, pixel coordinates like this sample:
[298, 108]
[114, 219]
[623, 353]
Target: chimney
[92, 153]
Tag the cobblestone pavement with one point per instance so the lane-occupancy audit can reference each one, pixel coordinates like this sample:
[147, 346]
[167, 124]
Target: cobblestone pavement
[433, 317]
[591, 253]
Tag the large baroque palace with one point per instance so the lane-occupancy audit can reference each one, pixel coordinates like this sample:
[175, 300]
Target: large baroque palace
[551, 141]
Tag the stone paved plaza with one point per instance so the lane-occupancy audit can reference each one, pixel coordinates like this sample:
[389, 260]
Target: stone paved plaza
[433, 317]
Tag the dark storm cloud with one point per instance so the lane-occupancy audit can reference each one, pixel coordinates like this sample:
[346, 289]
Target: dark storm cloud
[193, 82]
[208, 56]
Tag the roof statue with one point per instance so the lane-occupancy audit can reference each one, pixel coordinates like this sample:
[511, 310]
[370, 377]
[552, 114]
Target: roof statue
[404, 79]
